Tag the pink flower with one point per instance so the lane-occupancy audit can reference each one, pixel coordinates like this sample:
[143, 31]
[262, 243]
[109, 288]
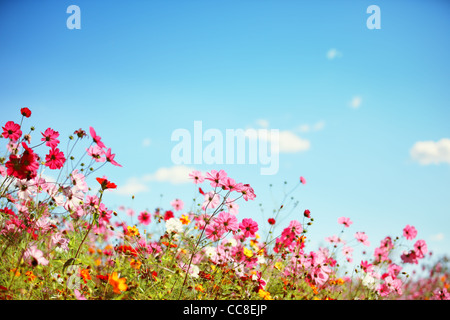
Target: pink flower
[12, 131]
[345, 221]
[409, 232]
[214, 231]
[302, 180]
[50, 138]
[421, 248]
[229, 184]
[96, 153]
[439, 294]
[34, 256]
[110, 158]
[177, 204]
[211, 201]
[197, 176]
[78, 180]
[247, 192]
[144, 218]
[228, 221]
[97, 139]
[216, 177]
[232, 206]
[409, 257]
[248, 227]
[295, 227]
[78, 295]
[55, 159]
[363, 238]
[366, 266]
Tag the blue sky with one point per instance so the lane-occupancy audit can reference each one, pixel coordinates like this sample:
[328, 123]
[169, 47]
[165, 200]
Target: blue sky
[138, 70]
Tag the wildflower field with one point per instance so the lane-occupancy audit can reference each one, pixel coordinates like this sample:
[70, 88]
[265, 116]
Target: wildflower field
[59, 240]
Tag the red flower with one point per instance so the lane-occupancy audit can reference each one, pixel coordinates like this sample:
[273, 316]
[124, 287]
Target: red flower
[25, 166]
[25, 112]
[271, 221]
[127, 250]
[80, 133]
[307, 213]
[12, 131]
[55, 159]
[168, 215]
[201, 191]
[106, 184]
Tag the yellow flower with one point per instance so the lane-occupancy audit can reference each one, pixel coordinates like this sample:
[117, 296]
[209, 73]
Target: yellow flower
[279, 265]
[118, 284]
[248, 252]
[264, 294]
[17, 273]
[185, 219]
[199, 287]
[133, 231]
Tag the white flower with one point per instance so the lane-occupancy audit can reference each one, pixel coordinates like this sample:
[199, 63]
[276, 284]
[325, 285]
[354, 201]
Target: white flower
[210, 252]
[369, 282]
[174, 225]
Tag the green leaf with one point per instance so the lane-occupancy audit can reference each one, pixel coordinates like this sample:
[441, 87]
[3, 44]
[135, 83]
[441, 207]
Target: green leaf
[68, 263]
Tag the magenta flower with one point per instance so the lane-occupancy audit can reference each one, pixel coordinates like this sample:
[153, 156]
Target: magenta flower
[110, 158]
[55, 159]
[12, 131]
[302, 180]
[97, 139]
[144, 217]
[345, 221]
[50, 137]
[409, 232]
[248, 227]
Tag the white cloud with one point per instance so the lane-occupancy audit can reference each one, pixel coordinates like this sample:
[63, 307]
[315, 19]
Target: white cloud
[431, 152]
[307, 127]
[333, 53]
[132, 187]
[288, 141]
[175, 175]
[291, 143]
[356, 102]
[262, 123]
[437, 237]
[146, 142]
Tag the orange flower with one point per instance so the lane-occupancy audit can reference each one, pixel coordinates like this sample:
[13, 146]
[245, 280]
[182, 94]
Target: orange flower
[185, 219]
[30, 275]
[118, 284]
[84, 273]
[135, 264]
